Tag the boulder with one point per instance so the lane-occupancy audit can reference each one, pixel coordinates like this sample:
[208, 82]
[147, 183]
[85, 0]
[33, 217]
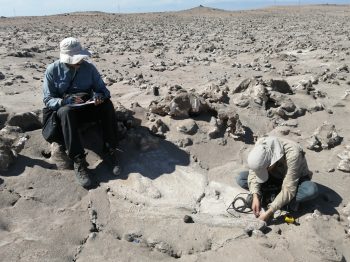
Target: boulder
[158, 127]
[280, 86]
[243, 86]
[161, 106]
[231, 122]
[324, 137]
[3, 116]
[214, 131]
[346, 210]
[188, 126]
[255, 95]
[186, 104]
[344, 164]
[11, 143]
[215, 94]
[283, 107]
[27, 121]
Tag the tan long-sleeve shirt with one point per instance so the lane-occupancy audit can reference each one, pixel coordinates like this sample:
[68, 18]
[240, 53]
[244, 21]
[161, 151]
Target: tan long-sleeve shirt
[289, 168]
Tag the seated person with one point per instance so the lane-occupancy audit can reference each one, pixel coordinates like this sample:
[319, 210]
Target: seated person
[280, 162]
[70, 81]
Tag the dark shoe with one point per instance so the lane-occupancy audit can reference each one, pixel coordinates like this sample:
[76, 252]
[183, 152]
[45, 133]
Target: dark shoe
[81, 171]
[111, 160]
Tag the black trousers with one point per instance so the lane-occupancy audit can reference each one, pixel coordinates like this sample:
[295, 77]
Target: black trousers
[71, 119]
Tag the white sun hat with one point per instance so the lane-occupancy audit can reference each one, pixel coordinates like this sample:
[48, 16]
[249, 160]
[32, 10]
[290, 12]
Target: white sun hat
[71, 51]
[266, 152]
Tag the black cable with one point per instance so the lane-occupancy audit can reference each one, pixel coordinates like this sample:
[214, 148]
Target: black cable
[245, 208]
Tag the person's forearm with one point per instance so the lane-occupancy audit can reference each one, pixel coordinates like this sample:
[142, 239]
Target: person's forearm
[53, 103]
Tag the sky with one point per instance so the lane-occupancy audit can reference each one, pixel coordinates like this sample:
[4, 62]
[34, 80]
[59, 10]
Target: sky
[48, 7]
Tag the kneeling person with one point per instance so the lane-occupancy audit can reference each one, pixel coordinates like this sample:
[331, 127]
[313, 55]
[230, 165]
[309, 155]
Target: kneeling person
[278, 162]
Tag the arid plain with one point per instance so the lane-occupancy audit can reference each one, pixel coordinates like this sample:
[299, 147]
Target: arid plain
[193, 90]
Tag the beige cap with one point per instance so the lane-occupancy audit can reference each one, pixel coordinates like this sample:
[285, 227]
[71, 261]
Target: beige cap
[71, 51]
[266, 152]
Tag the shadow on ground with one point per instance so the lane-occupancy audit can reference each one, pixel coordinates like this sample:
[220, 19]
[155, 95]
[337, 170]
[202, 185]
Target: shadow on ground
[24, 161]
[140, 152]
[326, 203]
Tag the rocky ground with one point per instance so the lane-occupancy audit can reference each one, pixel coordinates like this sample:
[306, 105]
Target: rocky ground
[193, 90]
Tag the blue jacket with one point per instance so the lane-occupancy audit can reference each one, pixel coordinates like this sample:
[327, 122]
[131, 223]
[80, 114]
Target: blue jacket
[58, 82]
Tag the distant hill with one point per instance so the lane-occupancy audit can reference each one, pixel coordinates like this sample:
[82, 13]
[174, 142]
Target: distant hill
[202, 10]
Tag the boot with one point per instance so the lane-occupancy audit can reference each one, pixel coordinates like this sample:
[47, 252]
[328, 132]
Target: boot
[81, 171]
[59, 157]
[111, 159]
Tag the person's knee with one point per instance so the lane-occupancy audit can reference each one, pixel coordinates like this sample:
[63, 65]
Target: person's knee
[313, 189]
[64, 111]
[309, 190]
[241, 179]
[106, 107]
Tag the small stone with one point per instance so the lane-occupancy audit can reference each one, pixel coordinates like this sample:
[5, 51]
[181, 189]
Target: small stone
[156, 90]
[92, 235]
[336, 217]
[256, 225]
[316, 214]
[188, 126]
[277, 230]
[346, 210]
[331, 170]
[258, 234]
[188, 219]
[184, 142]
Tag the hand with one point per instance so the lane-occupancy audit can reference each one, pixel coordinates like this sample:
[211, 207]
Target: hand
[98, 100]
[256, 205]
[69, 100]
[264, 216]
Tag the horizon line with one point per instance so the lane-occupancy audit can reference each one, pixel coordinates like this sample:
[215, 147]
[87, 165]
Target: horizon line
[180, 10]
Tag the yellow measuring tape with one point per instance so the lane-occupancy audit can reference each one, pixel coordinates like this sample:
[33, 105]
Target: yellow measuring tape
[289, 219]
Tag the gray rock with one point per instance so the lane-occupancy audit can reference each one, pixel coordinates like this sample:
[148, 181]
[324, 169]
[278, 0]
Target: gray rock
[346, 210]
[158, 127]
[242, 100]
[255, 225]
[7, 157]
[243, 86]
[214, 131]
[344, 164]
[161, 106]
[3, 116]
[123, 114]
[186, 104]
[188, 219]
[215, 94]
[343, 68]
[184, 142]
[324, 137]
[281, 86]
[284, 107]
[11, 143]
[258, 234]
[2, 76]
[26, 121]
[188, 126]
[230, 120]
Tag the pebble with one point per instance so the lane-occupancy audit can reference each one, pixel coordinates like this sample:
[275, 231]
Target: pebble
[188, 219]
